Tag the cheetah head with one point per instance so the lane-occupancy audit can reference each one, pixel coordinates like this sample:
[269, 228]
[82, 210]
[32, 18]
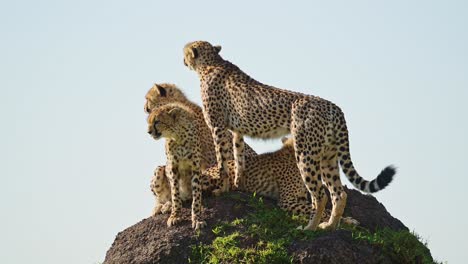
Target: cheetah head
[200, 53]
[167, 121]
[162, 94]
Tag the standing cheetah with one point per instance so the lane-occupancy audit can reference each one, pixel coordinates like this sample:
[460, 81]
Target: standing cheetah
[233, 100]
[177, 124]
[166, 93]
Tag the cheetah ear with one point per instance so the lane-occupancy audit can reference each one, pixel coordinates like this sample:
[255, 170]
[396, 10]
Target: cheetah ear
[174, 113]
[217, 48]
[194, 52]
[162, 91]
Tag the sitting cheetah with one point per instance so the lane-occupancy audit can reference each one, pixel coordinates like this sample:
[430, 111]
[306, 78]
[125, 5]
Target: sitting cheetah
[178, 125]
[166, 93]
[274, 175]
[232, 100]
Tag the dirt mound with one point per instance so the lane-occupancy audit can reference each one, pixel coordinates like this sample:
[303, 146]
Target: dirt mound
[150, 241]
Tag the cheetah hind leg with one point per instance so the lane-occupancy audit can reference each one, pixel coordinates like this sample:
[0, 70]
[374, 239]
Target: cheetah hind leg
[215, 183]
[238, 151]
[316, 189]
[224, 187]
[331, 178]
[314, 217]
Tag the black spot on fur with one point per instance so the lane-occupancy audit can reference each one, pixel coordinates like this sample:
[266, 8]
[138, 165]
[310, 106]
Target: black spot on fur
[358, 180]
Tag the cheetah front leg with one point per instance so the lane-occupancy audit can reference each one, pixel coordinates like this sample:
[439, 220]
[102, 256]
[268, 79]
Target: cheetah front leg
[174, 179]
[239, 147]
[196, 199]
[220, 136]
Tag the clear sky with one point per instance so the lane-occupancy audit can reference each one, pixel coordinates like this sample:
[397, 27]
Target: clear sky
[76, 160]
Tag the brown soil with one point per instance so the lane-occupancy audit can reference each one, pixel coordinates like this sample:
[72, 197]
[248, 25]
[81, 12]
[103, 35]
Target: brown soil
[150, 241]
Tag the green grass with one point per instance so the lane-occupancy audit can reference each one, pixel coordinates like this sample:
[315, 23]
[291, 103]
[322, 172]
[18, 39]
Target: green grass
[400, 246]
[264, 237]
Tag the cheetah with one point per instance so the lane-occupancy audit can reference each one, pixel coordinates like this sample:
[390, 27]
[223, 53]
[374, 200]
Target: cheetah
[274, 175]
[178, 125]
[232, 100]
[166, 93]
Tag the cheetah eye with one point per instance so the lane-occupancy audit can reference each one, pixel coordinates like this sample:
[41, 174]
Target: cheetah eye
[195, 53]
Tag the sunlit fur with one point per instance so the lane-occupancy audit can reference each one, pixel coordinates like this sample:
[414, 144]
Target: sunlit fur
[274, 175]
[178, 125]
[162, 94]
[170, 94]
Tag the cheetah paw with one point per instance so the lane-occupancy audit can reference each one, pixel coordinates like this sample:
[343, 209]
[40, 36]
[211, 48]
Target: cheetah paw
[300, 228]
[173, 220]
[197, 225]
[309, 227]
[326, 226]
[166, 208]
[156, 210]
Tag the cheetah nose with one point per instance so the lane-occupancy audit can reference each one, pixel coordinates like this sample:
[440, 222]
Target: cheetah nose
[150, 132]
[185, 63]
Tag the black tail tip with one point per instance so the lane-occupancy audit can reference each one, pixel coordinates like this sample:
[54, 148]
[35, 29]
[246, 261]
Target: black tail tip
[386, 176]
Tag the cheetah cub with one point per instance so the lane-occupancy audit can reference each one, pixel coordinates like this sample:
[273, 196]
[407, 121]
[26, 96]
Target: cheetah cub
[232, 100]
[176, 123]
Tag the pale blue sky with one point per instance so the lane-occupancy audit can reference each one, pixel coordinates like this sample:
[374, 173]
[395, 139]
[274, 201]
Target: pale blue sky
[76, 160]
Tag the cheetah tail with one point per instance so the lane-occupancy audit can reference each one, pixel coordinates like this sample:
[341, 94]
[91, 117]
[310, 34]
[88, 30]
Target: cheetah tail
[380, 182]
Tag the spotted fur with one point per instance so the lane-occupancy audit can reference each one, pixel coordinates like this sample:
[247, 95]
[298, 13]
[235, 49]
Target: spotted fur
[162, 191]
[274, 175]
[166, 93]
[232, 100]
[178, 125]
